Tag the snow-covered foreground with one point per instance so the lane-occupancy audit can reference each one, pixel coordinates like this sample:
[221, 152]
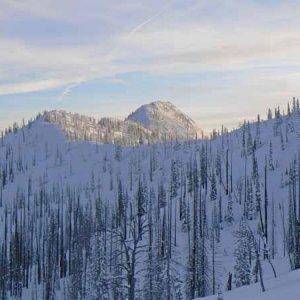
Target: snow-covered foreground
[284, 287]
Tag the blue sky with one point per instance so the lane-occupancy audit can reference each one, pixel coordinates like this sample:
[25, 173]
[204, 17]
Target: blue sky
[219, 61]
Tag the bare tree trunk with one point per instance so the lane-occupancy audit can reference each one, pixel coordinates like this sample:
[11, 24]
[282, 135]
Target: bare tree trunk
[259, 270]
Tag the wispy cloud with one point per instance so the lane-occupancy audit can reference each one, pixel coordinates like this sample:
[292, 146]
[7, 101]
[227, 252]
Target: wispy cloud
[189, 49]
[28, 87]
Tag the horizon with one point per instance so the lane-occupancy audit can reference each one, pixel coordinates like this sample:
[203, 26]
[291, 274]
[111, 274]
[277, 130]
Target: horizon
[220, 63]
[263, 117]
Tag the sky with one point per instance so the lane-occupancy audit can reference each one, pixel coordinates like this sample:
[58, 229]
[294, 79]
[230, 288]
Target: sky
[220, 61]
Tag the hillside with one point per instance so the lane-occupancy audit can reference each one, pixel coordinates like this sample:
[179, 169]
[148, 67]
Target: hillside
[167, 220]
[284, 287]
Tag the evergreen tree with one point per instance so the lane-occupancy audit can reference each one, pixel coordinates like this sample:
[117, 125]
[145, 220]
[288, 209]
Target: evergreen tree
[249, 210]
[271, 163]
[243, 256]
[213, 188]
[229, 211]
[98, 273]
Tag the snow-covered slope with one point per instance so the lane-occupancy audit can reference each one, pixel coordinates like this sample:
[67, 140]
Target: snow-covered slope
[285, 287]
[88, 220]
[164, 117]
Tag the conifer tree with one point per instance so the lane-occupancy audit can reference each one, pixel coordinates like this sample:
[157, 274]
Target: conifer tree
[213, 188]
[243, 256]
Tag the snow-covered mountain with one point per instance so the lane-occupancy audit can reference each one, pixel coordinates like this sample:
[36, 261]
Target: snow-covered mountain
[178, 219]
[164, 117]
[106, 130]
[157, 121]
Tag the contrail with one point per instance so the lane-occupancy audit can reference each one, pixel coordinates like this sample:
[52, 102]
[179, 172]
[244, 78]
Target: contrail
[138, 27]
[70, 87]
[68, 90]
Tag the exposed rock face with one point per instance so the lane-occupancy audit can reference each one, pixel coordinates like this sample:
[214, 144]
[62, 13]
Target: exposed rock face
[157, 121]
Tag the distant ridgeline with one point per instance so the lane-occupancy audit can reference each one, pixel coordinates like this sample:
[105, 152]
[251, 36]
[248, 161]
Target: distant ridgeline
[157, 121]
[105, 130]
[154, 122]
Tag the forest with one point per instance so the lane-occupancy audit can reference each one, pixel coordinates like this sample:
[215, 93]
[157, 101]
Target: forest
[171, 219]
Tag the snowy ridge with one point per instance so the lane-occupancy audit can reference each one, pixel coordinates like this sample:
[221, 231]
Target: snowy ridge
[106, 130]
[157, 121]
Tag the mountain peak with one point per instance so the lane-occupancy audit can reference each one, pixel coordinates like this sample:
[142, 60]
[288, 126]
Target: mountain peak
[163, 103]
[164, 117]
